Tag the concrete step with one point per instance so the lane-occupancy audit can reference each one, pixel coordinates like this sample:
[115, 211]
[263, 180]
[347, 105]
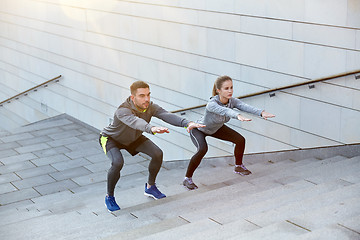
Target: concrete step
[345, 208]
[282, 231]
[187, 230]
[167, 184]
[352, 224]
[193, 205]
[332, 232]
[197, 214]
[204, 229]
[182, 207]
[265, 182]
[229, 228]
[218, 193]
[164, 205]
[259, 209]
[301, 206]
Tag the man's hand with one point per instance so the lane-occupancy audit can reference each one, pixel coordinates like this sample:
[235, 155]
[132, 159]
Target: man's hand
[266, 115]
[243, 119]
[193, 125]
[159, 130]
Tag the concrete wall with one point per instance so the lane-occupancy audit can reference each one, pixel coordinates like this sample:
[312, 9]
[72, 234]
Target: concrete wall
[180, 47]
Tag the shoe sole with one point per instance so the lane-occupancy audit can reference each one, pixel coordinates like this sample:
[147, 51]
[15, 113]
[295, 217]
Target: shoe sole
[149, 195]
[189, 188]
[242, 174]
[111, 211]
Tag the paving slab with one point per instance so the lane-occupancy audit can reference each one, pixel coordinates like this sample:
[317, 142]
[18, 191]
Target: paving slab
[91, 178]
[64, 141]
[6, 188]
[17, 196]
[65, 134]
[8, 177]
[61, 166]
[9, 145]
[89, 136]
[99, 167]
[16, 167]
[56, 187]
[51, 152]
[100, 157]
[32, 148]
[129, 169]
[84, 145]
[36, 171]
[70, 126]
[18, 158]
[50, 160]
[17, 137]
[46, 202]
[46, 132]
[81, 153]
[33, 182]
[34, 140]
[70, 173]
[8, 153]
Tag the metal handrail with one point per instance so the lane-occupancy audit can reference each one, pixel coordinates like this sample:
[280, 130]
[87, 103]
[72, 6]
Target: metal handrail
[279, 89]
[56, 79]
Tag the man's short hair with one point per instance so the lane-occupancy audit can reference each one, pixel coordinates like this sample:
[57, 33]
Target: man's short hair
[138, 84]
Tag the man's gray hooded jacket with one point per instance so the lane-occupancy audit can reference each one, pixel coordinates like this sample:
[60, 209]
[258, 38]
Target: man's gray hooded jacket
[129, 123]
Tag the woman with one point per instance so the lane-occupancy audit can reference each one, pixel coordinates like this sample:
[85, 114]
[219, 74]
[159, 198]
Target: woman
[218, 111]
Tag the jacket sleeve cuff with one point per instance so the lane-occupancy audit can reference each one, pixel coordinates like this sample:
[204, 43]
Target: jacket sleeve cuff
[185, 123]
[260, 111]
[148, 129]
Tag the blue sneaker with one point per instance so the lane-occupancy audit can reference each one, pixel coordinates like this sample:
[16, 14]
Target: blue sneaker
[111, 204]
[153, 192]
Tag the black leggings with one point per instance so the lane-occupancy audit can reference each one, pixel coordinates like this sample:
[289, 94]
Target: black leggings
[224, 133]
[117, 163]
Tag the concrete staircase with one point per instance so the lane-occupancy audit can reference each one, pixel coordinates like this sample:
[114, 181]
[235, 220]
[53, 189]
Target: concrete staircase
[53, 183]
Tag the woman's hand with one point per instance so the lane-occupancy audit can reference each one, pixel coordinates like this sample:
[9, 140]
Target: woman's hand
[243, 119]
[266, 115]
[193, 125]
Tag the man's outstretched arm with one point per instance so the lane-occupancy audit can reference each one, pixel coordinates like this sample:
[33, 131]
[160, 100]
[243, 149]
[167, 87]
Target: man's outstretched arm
[175, 120]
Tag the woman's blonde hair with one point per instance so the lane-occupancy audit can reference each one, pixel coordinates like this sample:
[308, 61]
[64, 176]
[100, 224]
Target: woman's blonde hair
[219, 82]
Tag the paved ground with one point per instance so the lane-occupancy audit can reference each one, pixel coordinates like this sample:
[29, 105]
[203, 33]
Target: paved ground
[53, 182]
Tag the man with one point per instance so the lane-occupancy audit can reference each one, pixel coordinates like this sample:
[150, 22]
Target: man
[131, 119]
